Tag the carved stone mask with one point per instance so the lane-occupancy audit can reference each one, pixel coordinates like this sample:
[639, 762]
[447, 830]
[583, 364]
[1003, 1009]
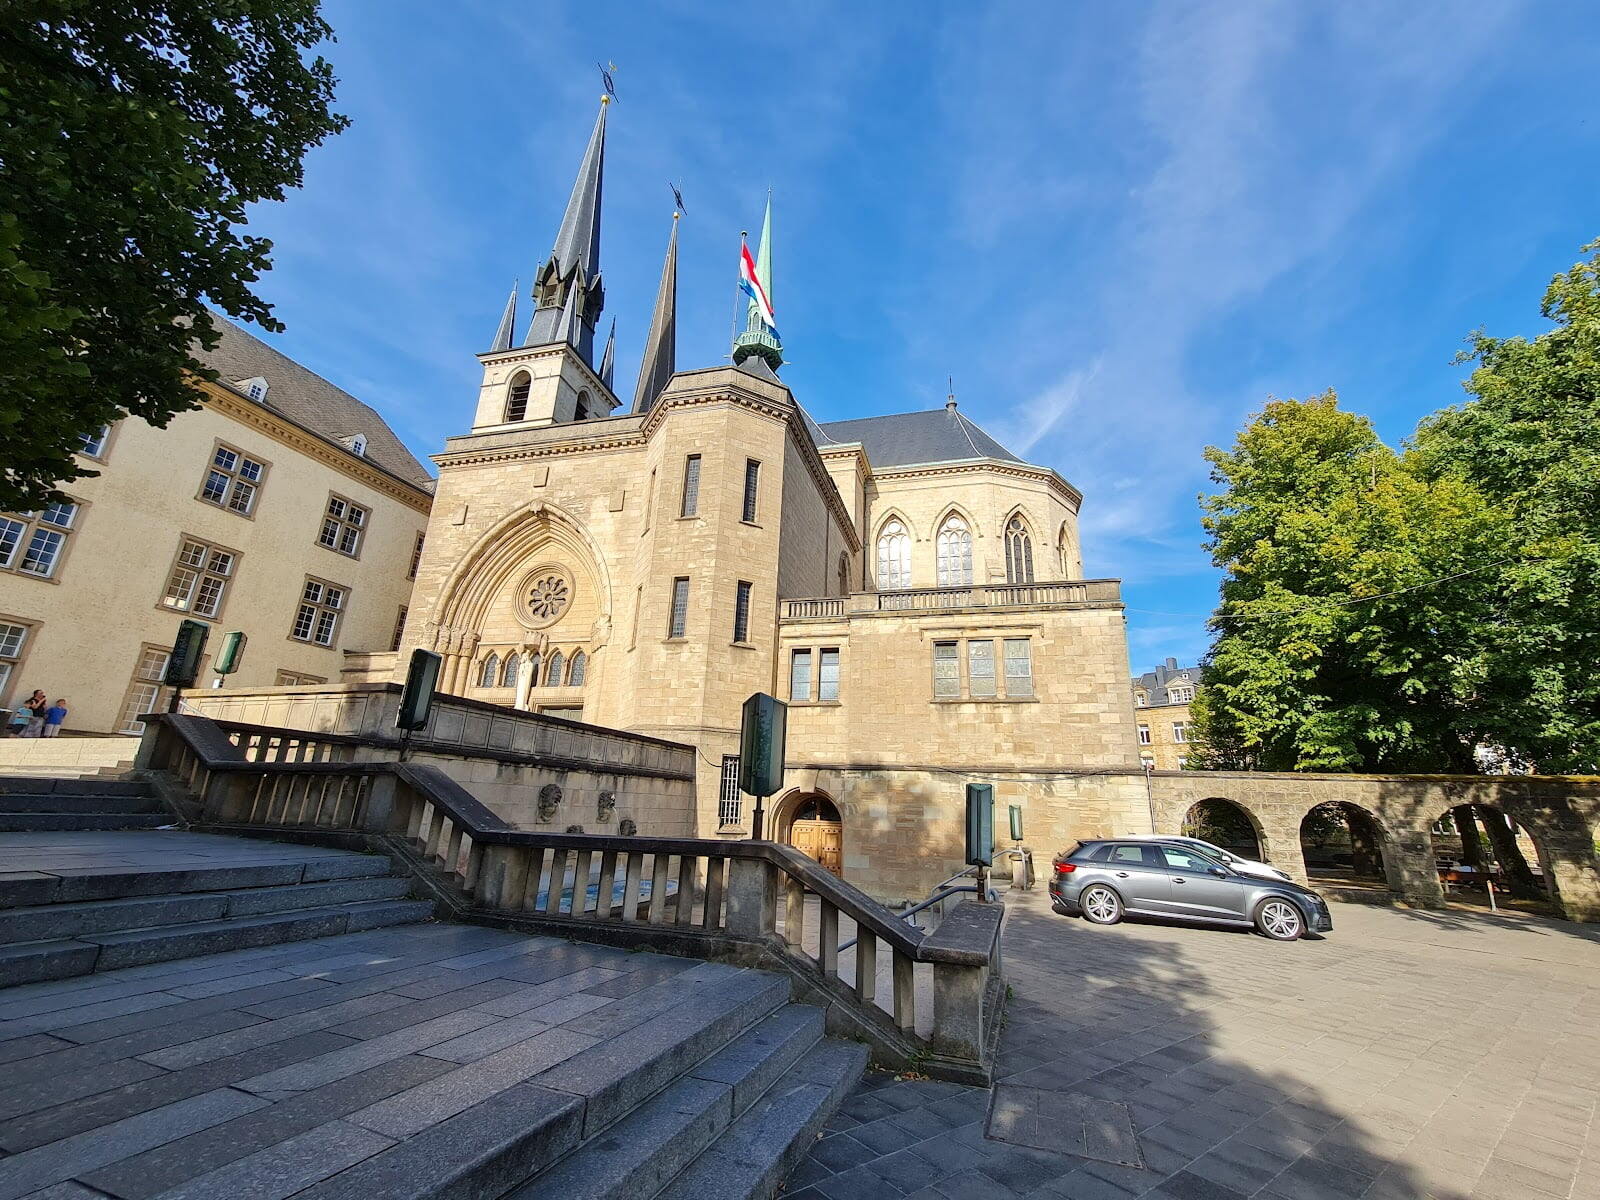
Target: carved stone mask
[607, 805]
[549, 801]
[628, 828]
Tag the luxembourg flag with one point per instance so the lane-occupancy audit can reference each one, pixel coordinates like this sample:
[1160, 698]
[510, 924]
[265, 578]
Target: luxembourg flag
[750, 284]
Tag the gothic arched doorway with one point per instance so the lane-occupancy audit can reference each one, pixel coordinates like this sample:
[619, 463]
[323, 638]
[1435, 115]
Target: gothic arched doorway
[814, 828]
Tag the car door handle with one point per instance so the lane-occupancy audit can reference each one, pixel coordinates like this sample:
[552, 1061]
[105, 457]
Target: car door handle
[1120, 874]
[1179, 879]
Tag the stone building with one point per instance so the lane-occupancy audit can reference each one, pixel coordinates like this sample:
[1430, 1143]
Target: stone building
[282, 507]
[1161, 698]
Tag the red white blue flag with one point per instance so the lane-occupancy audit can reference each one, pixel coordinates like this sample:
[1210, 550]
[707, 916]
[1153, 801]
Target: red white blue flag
[752, 285]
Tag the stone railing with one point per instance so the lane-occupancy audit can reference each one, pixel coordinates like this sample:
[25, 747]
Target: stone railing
[991, 595]
[759, 903]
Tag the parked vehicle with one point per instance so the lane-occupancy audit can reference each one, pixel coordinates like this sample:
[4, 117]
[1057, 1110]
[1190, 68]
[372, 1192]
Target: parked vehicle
[1245, 866]
[1104, 879]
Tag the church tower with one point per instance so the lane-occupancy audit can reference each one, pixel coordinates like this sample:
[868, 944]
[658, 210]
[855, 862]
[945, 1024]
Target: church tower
[550, 376]
[759, 340]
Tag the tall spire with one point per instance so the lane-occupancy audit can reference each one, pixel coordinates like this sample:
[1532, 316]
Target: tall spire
[608, 360]
[574, 262]
[759, 338]
[661, 343]
[508, 322]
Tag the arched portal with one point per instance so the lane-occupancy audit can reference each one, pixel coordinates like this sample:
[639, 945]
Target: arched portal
[1478, 843]
[1226, 824]
[1345, 846]
[809, 821]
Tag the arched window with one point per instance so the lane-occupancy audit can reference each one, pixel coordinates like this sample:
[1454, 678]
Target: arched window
[844, 574]
[894, 556]
[578, 669]
[508, 676]
[955, 553]
[1019, 552]
[517, 396]
[553, 676]
[582, 412]
[533, 671]
[490, 672]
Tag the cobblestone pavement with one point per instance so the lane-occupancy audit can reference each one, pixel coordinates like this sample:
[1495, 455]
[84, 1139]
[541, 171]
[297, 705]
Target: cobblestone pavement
[1446, 1055]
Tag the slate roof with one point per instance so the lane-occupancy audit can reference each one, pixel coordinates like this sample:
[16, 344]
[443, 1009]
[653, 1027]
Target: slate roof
[308, 399]
[1158, 682]
[900, 439]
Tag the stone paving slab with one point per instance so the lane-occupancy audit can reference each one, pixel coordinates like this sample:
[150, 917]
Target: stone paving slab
[1407, 1056]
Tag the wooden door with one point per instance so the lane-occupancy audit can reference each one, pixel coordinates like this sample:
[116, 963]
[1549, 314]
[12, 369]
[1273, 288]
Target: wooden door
[822, 840]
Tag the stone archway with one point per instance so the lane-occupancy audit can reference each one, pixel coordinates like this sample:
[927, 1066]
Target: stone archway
[1225, 823]
[810, 822]
[1347, 847]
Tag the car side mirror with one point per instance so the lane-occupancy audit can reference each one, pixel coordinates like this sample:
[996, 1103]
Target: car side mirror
[1219, 872]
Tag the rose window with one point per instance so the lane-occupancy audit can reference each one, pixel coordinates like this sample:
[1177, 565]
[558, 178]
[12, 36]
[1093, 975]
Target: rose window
[548, 597]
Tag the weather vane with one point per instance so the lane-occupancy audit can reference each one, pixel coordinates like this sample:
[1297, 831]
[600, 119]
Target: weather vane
[677, 196]
[606, 80]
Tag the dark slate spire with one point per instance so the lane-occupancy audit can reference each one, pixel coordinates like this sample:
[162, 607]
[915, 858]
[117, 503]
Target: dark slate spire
[573, 269]
[508, 323]
[661, 344]
[608, 360]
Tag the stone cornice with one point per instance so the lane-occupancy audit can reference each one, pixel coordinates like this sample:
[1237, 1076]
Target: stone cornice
[996, 465]
[314, 445]
[523, 354]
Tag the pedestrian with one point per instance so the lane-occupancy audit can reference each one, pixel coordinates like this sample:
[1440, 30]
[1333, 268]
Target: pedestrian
[19, 722]
[35, 706]
[53, 717]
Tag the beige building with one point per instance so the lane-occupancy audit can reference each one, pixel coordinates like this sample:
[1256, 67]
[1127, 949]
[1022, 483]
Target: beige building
[1161, 698]
[282, 507]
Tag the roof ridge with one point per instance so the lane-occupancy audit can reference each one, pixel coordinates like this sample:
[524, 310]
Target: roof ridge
[963, 422]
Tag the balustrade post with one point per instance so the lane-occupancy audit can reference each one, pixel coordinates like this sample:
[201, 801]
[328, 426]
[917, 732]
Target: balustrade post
[752, 895]
[866, 964]
[958, 992]
[905, 1010]
[380, 816]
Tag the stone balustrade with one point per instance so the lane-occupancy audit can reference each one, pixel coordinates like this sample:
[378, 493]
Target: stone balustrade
[992, 595]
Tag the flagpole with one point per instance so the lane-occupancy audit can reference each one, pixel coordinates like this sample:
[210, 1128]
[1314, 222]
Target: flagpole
[738, 294]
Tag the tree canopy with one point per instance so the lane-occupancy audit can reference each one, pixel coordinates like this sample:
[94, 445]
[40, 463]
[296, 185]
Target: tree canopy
[133, 136]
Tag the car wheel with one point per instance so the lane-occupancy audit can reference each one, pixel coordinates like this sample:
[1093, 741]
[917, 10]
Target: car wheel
[1279, 920]
[1100, 905]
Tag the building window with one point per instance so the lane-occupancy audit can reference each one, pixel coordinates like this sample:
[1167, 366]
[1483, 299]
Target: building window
[33, 543]
[678, 621]
[416, 556]
[581, 412]
[317, 618]
[558, 663]
[980, 668]
[233, 480]
[741, 613]
[752, 484]
[342, 526]
[93, 444]
[1180, 695]
[828, 674]
[577, 669]
[800, 675]
[1140, 700]
[399, 629]
[13, 641]
[145, 693]
[729, 801]
[691, 486]
[1180, 731]
[1144, 735]
[199, 579]
[894, 557]
[296, 679]
[1019, 667]
[489, 672]
[517, 396]
[1019, 552]
[955, 553]
[947, 670]
[508, 673]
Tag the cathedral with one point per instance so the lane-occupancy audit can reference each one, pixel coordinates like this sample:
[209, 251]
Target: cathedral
[909, 587]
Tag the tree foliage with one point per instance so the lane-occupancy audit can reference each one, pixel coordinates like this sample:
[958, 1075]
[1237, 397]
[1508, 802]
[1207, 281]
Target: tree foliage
[133, 135]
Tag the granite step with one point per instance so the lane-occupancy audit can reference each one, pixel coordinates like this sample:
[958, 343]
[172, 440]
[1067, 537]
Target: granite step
[36, 822]
[112, 883]
[42, 784]
[751, 1159]
[30, 962]
[68, 802]
[650, 1146]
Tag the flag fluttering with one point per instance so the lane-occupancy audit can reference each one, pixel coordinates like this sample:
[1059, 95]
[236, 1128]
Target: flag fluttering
[752, 285]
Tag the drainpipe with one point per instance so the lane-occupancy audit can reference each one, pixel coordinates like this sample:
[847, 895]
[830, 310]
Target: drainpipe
[1149, 797]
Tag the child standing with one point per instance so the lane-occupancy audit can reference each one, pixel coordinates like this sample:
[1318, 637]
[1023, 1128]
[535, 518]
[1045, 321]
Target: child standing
[53, 716]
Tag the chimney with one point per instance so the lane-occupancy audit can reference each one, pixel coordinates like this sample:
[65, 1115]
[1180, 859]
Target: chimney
[1172, 664]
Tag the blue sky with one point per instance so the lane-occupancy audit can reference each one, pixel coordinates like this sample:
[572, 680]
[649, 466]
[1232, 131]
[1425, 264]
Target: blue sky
[1119, 227]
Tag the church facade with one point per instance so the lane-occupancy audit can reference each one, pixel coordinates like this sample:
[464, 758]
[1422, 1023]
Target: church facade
[914, 591]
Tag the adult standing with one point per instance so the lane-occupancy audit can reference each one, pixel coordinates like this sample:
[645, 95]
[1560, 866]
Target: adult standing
[36, 706]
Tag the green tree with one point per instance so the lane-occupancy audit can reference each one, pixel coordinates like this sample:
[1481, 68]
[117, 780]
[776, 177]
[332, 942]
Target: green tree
[1341, 642]
[133, 135]
[1530, 440]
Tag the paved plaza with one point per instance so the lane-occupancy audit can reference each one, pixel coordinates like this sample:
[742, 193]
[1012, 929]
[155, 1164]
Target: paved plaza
[1448, 1055]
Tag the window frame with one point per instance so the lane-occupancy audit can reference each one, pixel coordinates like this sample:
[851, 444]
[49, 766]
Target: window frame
[1018, 540]
[128, 720]
[202, 571]
[743, 592]
[416, 554]
[321, 608]
[750, 509]
[797, 656]
[1010, 690]
[678, 610]
[892, 548]
[107, 436]
[954, 678]
[953, 552]
[34, 525]
[297, 679]
[14, 663]
[344, 525]
[977, 650]
[1180, 733]
[824, 695]
[399, 628]
[1144, 735]
[234, 476]
[689, 500]
[512, 398]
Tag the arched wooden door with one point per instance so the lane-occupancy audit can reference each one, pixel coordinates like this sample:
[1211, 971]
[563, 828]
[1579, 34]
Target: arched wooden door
[816, 830]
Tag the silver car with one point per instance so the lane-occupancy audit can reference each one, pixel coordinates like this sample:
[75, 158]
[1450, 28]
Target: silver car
[1102, 880]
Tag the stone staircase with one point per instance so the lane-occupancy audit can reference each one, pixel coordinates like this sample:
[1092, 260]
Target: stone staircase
[35, 802]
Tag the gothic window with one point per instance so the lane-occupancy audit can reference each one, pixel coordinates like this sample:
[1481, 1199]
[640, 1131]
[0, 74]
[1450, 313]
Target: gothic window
[582, 412]
[894, 556]
[1019, 552]
[490, 673]
[517, 396]
[508, 676]
[955, 553]
[548, 597]
[558, 663]
[578, 668]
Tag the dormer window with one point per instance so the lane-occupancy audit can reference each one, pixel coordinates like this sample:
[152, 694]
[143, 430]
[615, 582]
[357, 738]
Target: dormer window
[255, 388]
[358, 445]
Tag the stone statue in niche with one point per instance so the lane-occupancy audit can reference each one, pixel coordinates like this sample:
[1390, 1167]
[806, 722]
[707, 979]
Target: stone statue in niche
[574, 828]
[549, 801]
[606, 806]
[629, 827]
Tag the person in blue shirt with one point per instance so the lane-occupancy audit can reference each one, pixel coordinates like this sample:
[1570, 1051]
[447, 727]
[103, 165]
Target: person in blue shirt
[53, 716]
